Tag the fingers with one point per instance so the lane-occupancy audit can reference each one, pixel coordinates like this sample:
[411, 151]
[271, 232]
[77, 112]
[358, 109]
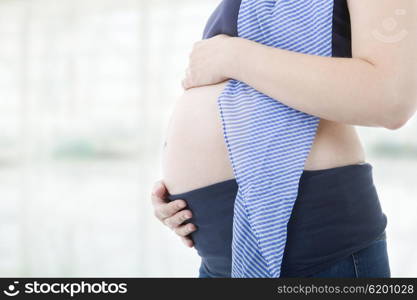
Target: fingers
[185, 230]
[159, 192]
[167, 210]
[222, 36]
[177, 219]
[186, 82]
[196, 45]
[162, 208]
[171, 215]
[186, 85]
[187, 242]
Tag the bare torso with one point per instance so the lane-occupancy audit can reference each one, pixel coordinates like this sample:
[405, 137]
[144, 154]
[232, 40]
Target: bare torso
[195, 153]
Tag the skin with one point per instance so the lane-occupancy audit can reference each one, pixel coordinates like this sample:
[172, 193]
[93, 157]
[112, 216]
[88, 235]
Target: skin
[376, 87]
[171, 214]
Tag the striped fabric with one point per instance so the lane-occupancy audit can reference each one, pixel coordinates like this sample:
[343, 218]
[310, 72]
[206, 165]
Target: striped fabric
[268, 142]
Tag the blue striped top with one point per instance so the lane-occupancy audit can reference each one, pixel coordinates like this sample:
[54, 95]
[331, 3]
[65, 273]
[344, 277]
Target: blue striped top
[268, 142]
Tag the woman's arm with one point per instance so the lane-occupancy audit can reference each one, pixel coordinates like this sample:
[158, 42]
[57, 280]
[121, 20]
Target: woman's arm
[377, 87]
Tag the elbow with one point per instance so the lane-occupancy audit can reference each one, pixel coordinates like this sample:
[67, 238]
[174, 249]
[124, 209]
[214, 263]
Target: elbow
[396, 123]
[400, 111]
[396, 92]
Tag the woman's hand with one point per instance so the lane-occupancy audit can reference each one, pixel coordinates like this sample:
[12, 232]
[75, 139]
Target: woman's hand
[171, 214]
[209, 61]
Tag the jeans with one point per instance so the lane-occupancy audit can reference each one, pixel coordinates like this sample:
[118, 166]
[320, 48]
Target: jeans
[370, 262]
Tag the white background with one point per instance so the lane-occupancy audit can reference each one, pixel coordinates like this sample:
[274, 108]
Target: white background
[86, 89]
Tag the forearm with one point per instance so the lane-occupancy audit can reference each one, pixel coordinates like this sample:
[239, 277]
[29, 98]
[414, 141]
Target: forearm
[347, 90]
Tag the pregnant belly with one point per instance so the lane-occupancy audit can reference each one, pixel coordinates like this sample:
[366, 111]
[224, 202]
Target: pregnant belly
[195, 153]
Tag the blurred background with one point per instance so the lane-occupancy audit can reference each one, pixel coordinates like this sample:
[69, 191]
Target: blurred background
[86, 90]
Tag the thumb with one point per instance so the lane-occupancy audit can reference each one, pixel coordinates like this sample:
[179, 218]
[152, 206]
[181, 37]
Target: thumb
[159, 189]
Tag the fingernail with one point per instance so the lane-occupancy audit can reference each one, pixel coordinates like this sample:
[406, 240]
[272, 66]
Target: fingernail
[181, 205]
[187, 216]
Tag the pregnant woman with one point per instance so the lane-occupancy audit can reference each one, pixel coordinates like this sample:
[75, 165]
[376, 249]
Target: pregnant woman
[336, 227]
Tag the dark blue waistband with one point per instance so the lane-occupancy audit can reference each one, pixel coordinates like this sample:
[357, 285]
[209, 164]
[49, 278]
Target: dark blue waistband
[337, 212]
